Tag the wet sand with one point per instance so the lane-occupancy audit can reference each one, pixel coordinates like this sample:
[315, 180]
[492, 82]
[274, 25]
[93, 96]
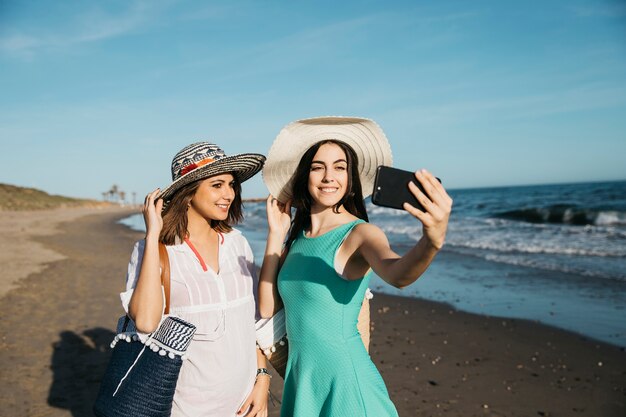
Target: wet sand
[60, 302]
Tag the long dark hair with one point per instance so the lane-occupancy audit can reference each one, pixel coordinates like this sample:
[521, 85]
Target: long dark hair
[352, 200]
[175, 213]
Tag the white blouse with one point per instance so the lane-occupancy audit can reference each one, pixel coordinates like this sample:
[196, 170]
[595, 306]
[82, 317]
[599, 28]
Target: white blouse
[220, 366]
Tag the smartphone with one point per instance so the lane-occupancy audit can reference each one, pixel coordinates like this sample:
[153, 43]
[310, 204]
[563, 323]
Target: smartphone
[391, 188]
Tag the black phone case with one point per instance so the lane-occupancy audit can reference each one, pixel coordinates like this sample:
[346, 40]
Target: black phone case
[391, 188]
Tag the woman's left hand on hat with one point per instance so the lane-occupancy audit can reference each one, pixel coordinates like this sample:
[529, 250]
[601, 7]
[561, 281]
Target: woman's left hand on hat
[278, 216]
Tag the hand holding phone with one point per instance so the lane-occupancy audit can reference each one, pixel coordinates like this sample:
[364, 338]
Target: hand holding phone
[391, 188]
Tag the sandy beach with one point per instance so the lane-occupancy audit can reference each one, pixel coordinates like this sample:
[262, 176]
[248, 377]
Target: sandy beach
[62, 271]
[21, 254]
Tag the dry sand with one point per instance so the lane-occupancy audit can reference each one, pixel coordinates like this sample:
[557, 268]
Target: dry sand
[20, 255]
[56, 325]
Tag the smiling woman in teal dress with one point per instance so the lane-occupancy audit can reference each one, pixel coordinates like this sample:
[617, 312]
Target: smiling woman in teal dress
[321, 273]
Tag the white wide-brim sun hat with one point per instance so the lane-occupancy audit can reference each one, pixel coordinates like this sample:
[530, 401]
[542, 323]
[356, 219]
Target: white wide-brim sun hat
[363, 135]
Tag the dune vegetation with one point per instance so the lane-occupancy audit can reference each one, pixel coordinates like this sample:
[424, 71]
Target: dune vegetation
[22, 198]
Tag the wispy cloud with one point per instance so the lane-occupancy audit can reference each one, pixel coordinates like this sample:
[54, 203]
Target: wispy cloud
[517, 107]
[283, 53]
[329, 42]
[89, 26]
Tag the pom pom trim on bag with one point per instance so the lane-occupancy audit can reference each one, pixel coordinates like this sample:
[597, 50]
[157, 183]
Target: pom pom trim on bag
[172, 337]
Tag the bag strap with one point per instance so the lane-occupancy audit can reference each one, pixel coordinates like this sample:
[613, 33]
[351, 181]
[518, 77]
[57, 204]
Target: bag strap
[164, 262]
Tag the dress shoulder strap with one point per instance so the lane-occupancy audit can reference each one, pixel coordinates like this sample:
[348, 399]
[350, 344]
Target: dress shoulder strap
[346, 233]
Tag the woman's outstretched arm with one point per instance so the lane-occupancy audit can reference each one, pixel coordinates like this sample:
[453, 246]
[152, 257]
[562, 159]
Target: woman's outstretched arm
[146, 304]
[401, 271]
[279, 220]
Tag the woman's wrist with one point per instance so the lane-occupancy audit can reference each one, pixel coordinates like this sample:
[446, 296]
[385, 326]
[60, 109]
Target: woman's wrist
[274, 243]
[262, 383]
[429, 244]
[152, 235]
[278, 235]
[262, 374]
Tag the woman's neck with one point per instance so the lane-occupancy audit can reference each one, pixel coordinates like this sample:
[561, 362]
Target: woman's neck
[324, 219]
[199, 228]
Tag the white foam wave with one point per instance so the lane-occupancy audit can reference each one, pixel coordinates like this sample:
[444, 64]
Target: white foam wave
[507, 236]
[611, 218]
[536, 248]
[554, 266]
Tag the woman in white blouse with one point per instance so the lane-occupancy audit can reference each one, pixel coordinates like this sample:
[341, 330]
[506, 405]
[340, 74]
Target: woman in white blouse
[212, 278]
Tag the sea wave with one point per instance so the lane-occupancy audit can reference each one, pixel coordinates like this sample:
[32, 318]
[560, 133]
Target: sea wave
[555, 248]
[553, 265]
[508, 236]
[566, 214]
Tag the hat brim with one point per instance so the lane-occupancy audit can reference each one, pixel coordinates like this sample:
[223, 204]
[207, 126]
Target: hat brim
[364, 136]
[242, 166]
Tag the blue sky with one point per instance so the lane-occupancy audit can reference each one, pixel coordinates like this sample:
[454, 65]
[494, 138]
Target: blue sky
[482, 93]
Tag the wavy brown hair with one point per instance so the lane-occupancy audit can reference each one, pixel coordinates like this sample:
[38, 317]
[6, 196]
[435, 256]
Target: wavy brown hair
[175, 213]
[352, 200]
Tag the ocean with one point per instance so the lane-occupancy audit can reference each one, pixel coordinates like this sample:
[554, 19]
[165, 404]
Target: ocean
[555, 254]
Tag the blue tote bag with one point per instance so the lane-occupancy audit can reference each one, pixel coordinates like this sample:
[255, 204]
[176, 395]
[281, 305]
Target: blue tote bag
[140, 379]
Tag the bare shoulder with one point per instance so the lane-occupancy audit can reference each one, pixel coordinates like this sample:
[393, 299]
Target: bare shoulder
[369, 242]
[366, 231]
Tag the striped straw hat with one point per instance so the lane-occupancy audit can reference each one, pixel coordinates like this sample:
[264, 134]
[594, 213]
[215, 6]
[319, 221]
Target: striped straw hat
[363, 135]
[203, 160]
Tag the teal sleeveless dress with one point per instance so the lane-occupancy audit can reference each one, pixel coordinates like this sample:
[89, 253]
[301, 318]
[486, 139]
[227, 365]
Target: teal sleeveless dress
[329, 373]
